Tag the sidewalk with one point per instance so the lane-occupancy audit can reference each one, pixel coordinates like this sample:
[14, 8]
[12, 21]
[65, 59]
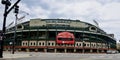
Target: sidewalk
[8, 55]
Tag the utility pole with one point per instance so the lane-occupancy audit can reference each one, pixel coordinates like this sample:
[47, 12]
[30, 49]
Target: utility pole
[7, 4]
[14, 41]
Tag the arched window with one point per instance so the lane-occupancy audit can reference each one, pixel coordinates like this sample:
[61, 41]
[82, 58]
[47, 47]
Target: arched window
[31, 43]
[40, 43]
[34, 44]
[43, 43]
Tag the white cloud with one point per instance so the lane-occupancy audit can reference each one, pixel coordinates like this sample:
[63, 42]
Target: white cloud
[111, 11]
[39, 12]
[1, 15]
[34, 11]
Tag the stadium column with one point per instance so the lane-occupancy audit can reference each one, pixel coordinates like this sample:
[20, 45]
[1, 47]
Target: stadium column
[55, 36]
[74, 50]
[102, 44]
[36, 50]
[90, 40]
[46, 41]
[96, 43]
[91, 50]
[15, 34]
[55, 50]
[75, 39]
[83, 51]
[28, 38]
[83, 47]
[37, 39]
[20, 41]
[102, 41]
[65, 50]
[65, 44]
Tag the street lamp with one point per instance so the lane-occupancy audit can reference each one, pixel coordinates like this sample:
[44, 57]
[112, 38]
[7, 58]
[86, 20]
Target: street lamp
[7, 4]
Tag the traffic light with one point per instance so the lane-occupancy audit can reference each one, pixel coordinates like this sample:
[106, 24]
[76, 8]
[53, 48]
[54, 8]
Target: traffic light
[3, 1]
[7, 2]
[16, 9]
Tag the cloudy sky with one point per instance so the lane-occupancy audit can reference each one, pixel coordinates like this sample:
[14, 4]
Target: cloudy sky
[105, 12]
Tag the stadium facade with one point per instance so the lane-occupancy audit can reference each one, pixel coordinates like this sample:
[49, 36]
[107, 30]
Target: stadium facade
[41, 35]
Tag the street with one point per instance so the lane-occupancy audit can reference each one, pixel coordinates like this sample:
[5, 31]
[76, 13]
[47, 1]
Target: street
[68, 56]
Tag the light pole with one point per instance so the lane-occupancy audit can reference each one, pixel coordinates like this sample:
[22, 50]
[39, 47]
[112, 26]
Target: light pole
[14, 41]
[7, 4]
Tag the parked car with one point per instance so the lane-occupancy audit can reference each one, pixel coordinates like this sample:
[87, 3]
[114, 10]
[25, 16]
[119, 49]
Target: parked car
[112, 52]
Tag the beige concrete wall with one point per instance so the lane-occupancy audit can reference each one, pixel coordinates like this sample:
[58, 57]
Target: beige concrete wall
[24, 43]
[78, 24]
[118, 46]
[79, 44]
[41, 43]
[104, 45]
[51, 43]
[37, 22]
[87, 44]
[32, 43]
[93, 45]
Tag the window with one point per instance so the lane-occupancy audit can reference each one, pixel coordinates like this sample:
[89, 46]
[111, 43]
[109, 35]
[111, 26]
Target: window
[39, 43]
[31, 43]
[92, 28]
[79, 44]
[48, 43]
[87, 44]
[53, 21]
[19, 27]
[26, 43]
[91, 44]
[34, 43]
[84, 44]
[42, 43]
[47, 21]
[52, 44]
[60, 21]
[23, 44]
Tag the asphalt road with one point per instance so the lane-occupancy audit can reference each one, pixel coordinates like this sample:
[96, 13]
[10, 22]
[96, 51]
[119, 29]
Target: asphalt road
[69, 56]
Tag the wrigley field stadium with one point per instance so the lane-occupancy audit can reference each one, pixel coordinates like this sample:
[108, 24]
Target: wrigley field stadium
[58, 36]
